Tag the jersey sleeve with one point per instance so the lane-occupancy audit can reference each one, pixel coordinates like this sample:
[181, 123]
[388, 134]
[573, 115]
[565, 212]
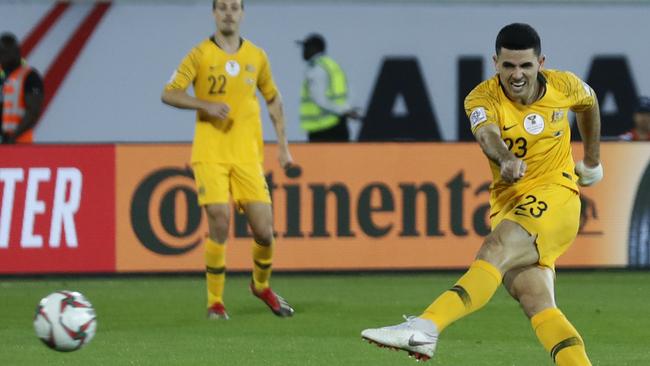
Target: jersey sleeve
[480, 107]
[580, 94]
[265, 82]
[185, 74]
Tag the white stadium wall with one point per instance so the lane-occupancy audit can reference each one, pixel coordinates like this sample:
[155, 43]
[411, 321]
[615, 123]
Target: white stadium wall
[111, 91]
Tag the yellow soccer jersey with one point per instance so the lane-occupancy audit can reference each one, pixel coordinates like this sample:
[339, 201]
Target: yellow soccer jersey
[538, 133]
[232, 79]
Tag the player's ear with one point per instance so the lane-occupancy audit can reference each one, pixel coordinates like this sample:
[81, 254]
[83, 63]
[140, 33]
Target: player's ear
[542, 58]
[494, 59]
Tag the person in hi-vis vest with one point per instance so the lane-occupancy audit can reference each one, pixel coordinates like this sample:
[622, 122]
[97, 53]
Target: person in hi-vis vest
[22, 93]
[324, 107]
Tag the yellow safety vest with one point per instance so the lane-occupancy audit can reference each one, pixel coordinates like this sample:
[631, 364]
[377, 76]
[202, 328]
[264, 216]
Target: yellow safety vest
[312, 117]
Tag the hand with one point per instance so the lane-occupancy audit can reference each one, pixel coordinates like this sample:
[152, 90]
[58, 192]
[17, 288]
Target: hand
[513, 169]
[354, 113]
[589, 175]
[285, 158]
[216, 110]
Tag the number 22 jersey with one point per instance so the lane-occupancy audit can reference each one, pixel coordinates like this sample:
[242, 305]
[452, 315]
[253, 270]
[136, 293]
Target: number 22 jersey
[233, 79]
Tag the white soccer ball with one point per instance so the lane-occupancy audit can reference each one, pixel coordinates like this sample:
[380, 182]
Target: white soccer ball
[65, 321]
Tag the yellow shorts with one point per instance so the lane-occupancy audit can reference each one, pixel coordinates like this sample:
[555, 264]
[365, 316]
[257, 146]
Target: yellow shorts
[552, 212]
[215, 182]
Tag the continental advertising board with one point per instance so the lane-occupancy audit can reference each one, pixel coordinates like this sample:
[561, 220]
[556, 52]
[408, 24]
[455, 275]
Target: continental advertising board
[347, 207]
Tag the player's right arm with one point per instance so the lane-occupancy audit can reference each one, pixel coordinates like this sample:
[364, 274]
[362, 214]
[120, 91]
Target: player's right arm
[175, 92]
[511, 168]
[180, 99]
[480, 109]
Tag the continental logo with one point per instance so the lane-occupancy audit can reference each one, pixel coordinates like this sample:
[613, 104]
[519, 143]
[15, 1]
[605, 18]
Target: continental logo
[166, 218]
[165, 215]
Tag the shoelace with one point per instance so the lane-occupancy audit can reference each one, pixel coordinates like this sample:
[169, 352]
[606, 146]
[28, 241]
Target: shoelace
[409, 319]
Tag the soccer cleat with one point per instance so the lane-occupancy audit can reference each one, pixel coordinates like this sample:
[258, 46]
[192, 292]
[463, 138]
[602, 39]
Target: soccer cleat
[275, 302]
[217, 311]
[416, 336]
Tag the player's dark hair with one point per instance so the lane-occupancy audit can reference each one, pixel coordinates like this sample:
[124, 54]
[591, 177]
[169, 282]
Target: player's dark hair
[214, 4]
[518, 36]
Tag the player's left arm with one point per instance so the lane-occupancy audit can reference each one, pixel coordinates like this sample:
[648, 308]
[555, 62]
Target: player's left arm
[269, 90]
[33, 95]
[276, 112]
[589, 170]
[589, 127]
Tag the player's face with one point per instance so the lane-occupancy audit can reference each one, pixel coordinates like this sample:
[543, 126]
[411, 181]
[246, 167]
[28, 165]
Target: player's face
[228, 15]
[518, 71]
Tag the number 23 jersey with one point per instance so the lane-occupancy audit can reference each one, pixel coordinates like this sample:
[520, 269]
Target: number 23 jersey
[539, 133]
[233, 79]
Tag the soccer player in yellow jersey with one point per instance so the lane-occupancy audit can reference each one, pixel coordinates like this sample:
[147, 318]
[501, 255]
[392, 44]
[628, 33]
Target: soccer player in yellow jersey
[519, 118]
[225, 71]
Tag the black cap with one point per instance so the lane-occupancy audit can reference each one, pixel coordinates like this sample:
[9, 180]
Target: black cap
[8, 39]
[644, 105]
[313, 39]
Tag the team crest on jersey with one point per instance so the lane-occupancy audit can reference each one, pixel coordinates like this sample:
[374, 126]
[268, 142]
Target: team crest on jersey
[249, 68]
[477, 116]
[232, 68]
[534, 124]
[557, 116]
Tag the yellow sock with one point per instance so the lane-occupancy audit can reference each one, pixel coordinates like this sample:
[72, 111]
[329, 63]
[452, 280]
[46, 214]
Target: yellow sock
[560, 338]
[262, 259]
[470, 293]
[215, 270]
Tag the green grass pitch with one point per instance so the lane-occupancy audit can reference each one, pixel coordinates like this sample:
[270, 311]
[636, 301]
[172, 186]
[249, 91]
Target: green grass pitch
[161, 321]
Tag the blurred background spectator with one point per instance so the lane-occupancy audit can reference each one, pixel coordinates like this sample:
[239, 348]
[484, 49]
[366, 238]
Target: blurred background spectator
[324, 108]
[22, 93]
[641, 118]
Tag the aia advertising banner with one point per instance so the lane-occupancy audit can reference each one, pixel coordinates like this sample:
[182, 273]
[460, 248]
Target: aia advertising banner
[357, 206]
[57, 209]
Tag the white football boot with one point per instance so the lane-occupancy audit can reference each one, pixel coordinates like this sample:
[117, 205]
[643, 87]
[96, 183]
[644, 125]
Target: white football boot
[416, 336]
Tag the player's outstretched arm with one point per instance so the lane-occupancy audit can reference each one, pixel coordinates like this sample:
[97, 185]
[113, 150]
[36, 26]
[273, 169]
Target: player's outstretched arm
[180, 99]
[276, 113]
[589, 169]
[512, 168]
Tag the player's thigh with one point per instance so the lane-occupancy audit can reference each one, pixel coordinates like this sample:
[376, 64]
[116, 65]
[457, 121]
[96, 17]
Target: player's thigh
[248, 184]
[532, 286]
[550, 213]
[212, 183]
[508, 246]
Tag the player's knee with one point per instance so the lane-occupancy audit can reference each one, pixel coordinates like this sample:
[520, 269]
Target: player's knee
[263, 236]
[218, 220]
